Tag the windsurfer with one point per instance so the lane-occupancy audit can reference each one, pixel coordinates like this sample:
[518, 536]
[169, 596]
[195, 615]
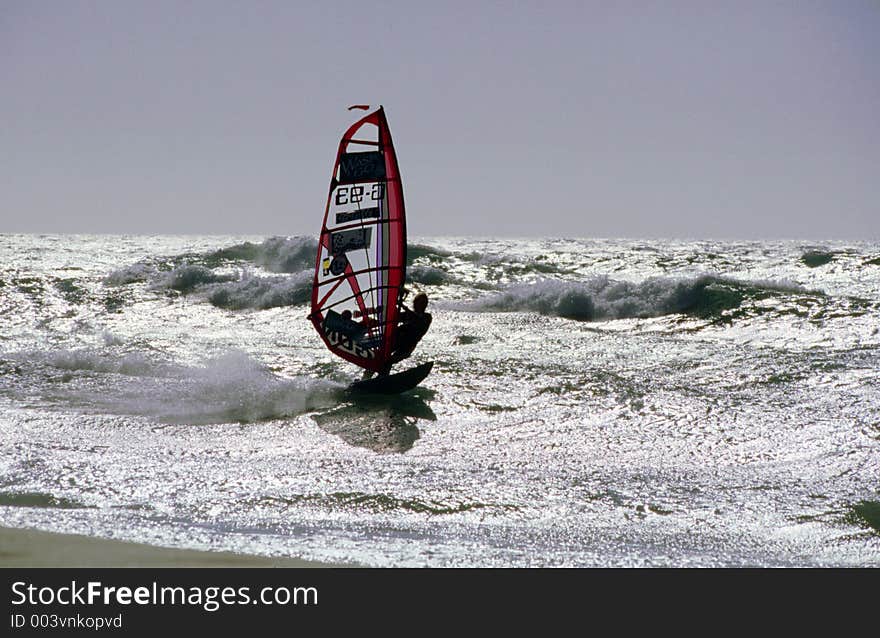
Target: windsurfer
[412, 326]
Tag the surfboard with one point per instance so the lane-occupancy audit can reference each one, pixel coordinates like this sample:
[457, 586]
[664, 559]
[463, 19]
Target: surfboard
[360, 267]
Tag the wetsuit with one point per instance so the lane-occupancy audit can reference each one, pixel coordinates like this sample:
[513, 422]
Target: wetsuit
[413, 326]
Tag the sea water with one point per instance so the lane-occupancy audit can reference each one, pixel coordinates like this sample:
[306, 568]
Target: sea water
[592, 403]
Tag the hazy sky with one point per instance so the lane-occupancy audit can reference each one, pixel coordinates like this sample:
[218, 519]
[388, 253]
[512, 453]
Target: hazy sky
[702, 119]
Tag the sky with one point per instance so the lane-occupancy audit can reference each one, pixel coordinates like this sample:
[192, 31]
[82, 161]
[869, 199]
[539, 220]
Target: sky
[637, 119]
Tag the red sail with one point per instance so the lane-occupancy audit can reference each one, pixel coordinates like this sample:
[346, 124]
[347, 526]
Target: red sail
[360, 268]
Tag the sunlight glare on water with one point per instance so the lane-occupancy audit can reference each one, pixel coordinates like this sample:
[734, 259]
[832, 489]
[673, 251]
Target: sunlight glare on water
[592, 403]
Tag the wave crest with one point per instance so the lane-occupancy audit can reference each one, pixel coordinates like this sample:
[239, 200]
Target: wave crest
[140, 271]
[428, 275]
[431, 253]
[817, 257]
[263, 292]
[275, 254]
[185, 278]
[605, 298]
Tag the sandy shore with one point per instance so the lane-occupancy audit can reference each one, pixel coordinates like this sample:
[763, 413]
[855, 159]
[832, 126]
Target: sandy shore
[32, 548]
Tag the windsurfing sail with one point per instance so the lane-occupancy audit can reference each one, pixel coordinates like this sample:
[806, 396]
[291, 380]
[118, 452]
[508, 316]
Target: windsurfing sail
[360, 268]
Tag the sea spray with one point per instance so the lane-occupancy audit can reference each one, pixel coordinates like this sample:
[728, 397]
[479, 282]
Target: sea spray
[83, 359]
[231, 387]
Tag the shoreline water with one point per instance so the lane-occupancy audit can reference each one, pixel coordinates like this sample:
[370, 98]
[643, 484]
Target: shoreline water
[22, 547]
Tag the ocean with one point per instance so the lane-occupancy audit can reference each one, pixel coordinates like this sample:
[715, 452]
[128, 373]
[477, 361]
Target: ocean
[593, 403]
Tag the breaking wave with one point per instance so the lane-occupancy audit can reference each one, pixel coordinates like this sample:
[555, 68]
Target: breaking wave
[275, 254]
[195, 272]
[428, 275]
[186, 278]
[138, 272]
[817, 257]
[263, 292]
[431, 253]
[605, 298]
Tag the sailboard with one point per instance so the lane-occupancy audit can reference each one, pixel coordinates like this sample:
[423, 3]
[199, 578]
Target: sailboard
[393, 383]
[360, 268]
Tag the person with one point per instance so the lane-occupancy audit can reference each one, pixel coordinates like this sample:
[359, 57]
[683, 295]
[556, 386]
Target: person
[412, 326]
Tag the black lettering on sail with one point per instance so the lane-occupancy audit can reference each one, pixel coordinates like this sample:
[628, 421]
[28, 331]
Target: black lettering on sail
[355, 215]
[362, 167]
[347, 240]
